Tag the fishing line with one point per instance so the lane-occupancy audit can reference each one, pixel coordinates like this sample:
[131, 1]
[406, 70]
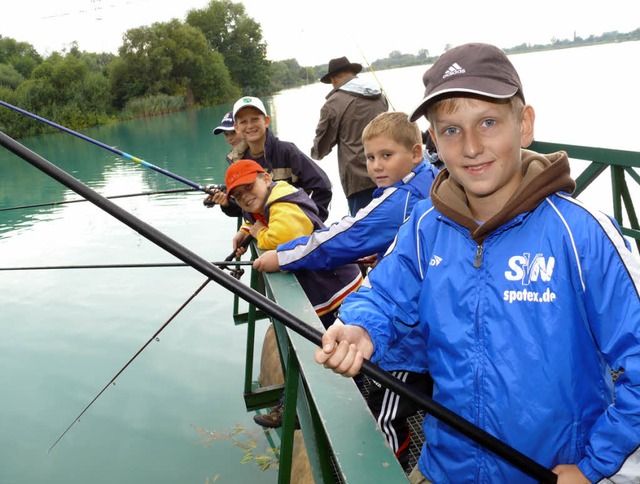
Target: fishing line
[112, 381]
[124, 266]
[251, 296]
[374, 74]
[245, 242]
[109, 148]
[226, 264]
[64, 202]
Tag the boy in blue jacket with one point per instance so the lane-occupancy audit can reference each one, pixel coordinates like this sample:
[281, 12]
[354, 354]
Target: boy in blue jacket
[518, 299]
[403, 177]
[394, 157]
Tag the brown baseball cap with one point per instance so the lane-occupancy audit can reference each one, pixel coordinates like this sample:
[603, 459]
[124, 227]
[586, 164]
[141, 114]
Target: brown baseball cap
[481, 69]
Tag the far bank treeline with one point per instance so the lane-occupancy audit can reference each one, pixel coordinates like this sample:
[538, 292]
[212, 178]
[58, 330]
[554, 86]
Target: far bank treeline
[215, 56]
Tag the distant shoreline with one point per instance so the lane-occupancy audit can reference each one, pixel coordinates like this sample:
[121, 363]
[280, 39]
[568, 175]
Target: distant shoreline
[396, 59]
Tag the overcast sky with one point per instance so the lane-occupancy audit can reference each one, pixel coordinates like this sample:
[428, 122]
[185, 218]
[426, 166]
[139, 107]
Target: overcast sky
[314, 32]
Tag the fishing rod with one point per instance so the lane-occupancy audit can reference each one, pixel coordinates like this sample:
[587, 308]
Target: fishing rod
[226, 264]
[113, 197]
[229, 260]
[113, 380]
[374, 74]
[124, 266]
[455, 421]
[245, 243]
[127, 156]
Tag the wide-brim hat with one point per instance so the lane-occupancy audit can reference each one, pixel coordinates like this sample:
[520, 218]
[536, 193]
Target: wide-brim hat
[226, 124]
[242, 172]
[477, 69]
[337, 65]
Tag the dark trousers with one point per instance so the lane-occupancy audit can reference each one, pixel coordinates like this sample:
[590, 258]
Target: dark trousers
[359, 200]
[391, 411]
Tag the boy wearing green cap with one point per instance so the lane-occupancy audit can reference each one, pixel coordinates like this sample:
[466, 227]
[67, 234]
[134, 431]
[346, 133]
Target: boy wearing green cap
[281, 159]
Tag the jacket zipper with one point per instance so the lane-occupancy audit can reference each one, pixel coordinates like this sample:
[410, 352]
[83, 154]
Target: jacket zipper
[478, 262]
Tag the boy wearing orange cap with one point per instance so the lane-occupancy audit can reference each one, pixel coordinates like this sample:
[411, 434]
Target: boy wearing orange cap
[276, 212]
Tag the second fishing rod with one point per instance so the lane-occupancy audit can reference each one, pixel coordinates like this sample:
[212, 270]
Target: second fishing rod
[210, 189]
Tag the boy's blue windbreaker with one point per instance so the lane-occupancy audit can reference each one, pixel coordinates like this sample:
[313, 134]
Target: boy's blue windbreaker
[370, 232]
[519, 329]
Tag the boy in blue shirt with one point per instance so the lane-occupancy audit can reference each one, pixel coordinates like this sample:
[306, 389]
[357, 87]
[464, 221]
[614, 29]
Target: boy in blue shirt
[395, 163]
[238, 147]
[394, 157]
[517, 298]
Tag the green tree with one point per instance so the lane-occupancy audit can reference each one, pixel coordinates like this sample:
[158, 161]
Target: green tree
[288, 73]
[169, 58]
[66, 90]
[21, 55]
[99, 62]
[9, 76]
[8, 117]
[231, 32]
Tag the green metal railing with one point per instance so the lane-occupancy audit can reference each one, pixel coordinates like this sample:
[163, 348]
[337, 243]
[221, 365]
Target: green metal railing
[622, 166]
[342, 440]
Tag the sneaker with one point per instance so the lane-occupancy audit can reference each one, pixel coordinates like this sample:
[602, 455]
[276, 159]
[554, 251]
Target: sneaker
[273, 419]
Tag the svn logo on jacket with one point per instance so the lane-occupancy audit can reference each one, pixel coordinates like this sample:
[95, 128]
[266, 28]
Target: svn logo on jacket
[527, 269]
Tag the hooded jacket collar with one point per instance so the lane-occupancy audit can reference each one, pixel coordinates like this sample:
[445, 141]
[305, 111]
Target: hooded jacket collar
[542, 175]
[359, 87]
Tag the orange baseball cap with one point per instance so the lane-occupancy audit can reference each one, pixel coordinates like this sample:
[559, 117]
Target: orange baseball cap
[242, 172]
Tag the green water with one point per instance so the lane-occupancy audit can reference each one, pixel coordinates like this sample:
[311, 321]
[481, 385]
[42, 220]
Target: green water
[66, 333]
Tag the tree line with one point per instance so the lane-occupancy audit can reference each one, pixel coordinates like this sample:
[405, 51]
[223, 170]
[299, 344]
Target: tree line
[216, 55]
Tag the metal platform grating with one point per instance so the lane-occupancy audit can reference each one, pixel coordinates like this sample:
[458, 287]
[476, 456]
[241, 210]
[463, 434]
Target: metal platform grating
[417, 437]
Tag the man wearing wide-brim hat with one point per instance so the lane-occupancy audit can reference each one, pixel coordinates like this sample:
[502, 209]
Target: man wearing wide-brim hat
[348, 108]
[340, 65]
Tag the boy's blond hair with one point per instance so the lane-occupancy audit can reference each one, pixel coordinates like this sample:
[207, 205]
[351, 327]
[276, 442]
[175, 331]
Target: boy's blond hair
[449, 105]
[394, 125]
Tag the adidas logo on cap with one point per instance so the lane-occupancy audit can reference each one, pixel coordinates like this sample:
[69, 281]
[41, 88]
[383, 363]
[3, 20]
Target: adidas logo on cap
[453, 70]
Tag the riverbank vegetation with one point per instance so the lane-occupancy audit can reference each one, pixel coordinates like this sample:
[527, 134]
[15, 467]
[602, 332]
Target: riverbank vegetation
[214, 56]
